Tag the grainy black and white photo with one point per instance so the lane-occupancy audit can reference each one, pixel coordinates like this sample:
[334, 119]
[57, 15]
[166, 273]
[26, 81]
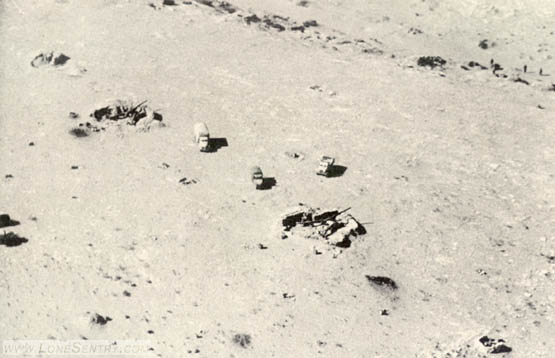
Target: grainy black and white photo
[277, 178]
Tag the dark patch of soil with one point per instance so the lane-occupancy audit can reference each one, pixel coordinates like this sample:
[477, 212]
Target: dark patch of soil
[242, 340]
[382, 281]
[78, 132]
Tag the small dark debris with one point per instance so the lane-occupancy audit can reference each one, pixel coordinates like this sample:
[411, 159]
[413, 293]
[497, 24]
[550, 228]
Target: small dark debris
[169, 3]
[497, 67]
[282, 18]
[6, 221]
[31, 144]
[150, 331]
[303, 3]
[415, 31]
[271, 24]
[74, 167]
[8, 176]
[99, 319]
[242, 340]
[262, 246]
[11, 239]
[476, 64]
[385, 313]
[310, 23]
[209, 3]
[252, 18]
[73, 115]
[520, 80]
[186, 181]
[484, 44]
[382, 281]
[298, 28]
[540, 106]
[126, 293]
[431, 61]
[295, 155]
[227, 7]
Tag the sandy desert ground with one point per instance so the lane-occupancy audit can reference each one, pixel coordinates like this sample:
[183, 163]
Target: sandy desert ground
[450, 169]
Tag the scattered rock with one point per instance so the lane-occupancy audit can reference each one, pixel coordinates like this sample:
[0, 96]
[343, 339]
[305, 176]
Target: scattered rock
[415, 31]
[495, 345]
[6, 221]
[295, 155]
[476, 64]
[252, 19]
[431, 61]
[310, 23]
[73, 115]
[243, 340]
[271, 22]
[186, 181]
[99, 319]
[382, 281]
[11, 239]
[485, 44]
[227, 7]
[209, 3]
[520, 80]
[50, 58]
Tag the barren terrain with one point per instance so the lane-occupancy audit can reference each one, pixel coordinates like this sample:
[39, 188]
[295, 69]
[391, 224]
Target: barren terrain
[450, 169]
